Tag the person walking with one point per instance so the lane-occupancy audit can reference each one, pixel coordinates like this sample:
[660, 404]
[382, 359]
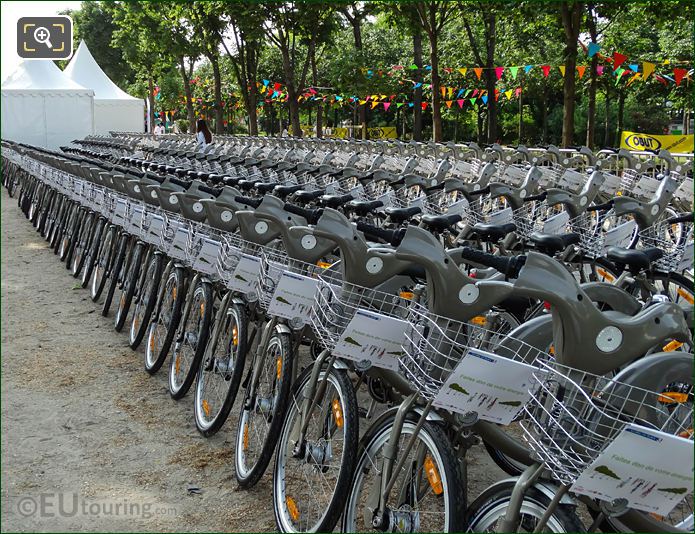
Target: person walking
[203, 136]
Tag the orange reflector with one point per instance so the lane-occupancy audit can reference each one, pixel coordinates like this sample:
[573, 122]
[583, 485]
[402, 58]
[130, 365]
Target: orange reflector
[686, 433]
[136, 323]
[292, 508]
[337, 413]
[433, 476]
[206, 408]
[672, 346]
[657, 516]
[407, 295]
[235, 336]
[551, 350]
[673, 396]
[278, 365]
[202, 309]
[687, 296]
[479, 320]
[152, 341]
[177, 363]
[619, 193]
[173, 293]
[246, 436]
[605, 274]
[323, 264]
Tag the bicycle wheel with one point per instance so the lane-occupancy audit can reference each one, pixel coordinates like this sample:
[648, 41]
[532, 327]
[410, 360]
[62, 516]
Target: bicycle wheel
[162, 329]
[220, 371]
[115, 272]
[489, 508]
[145, 300]
[312, 479]
[130, 281]
[428, 495]
[191, 338]
[92, 252]
[102, 262]
[263, 410]
[81, 245]
[68, 231]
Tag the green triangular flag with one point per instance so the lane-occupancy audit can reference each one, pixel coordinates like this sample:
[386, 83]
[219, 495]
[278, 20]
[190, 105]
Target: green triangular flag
[514, 71]
[399, 104]
[473, 100]
[413, 67]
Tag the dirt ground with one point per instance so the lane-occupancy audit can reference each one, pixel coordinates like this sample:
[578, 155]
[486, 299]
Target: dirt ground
[90, 442]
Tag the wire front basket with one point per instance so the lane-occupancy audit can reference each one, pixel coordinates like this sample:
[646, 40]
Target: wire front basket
[676, 242]
[435, 345]
[573, 416]
[336, 304]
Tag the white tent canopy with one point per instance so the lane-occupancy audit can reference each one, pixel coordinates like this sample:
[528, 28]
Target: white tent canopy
[43, 107]
[114, 109]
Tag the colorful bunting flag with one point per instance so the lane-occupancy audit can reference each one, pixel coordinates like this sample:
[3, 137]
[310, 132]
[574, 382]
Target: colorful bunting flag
[647, 69]
[386, 106]
[498, 72]
[562, 70]
[448, 103]
[478, 72]
[508, 94]
[514, 71]
[463, 71]
[618, 59]
[546, 70]
[679, 74]
[527, 68]
[580, 70]
[593, 49]
[460, 102]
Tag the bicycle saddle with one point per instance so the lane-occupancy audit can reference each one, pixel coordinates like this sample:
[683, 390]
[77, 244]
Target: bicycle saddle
[283, 191]
[308, 196]
[492, 232]
[400, 215]
[553, 243]
[363, 207]
[335, 201]
[637, 260]
[264, 188]
[440, 222]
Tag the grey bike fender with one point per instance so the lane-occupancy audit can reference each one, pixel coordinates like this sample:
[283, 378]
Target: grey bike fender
[547, 488]
[340, 364]
[612, 295]
[282, 328]
[237, 300]
[538, 333]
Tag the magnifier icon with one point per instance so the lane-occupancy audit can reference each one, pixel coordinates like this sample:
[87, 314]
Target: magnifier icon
[43, 36]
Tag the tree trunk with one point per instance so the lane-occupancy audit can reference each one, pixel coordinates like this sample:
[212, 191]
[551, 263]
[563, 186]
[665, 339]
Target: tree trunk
[436, 96]
[190, 114]
[252, 99]
[417, 94]
[150, 97]
[544, 112]
[217, 78]
[521, 114]
[621, 113]
[571, 22]
[481, 133]
[293, 105]
[314, 81]
[491, 78]
[591, 111]
[607, 121]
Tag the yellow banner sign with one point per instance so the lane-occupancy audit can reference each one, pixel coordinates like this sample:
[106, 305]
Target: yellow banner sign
[380, 132]
[673, 143]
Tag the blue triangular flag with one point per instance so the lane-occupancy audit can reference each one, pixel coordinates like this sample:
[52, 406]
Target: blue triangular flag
[461, 91]
[428, 67]
[266, 82]
[527, 68]
[410, 104]
[634, 67]
[484, 99]
[593, 49]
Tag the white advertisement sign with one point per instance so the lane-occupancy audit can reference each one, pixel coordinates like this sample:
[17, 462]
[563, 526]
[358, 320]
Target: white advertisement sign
[372, 337]
[494, 387]
[245, 274]
[652, 470]
[293, 296]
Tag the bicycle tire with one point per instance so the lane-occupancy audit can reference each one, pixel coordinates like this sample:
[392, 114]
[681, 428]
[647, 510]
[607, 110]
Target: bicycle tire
[201, 298]
[146, 301]
[236, 315]
[345, 412]
[102, 262]
[115, 271]
[129, 284]
[248, 476]
[155, 356]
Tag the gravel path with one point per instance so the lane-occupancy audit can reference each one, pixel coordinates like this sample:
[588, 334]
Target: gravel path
[90, 442]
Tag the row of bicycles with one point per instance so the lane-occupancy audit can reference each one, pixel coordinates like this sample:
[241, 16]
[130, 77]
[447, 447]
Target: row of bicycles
[379, 313]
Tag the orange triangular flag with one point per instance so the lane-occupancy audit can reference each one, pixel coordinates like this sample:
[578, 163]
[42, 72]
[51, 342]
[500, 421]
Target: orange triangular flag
[443, 89]
[478, 72]
[448, 103]
[580, 71]
[647, 69]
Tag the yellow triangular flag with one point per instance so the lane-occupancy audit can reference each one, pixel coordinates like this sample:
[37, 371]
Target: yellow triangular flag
[450, 92]
[463, 71]
[508, 94]
[634, 77]
[562, 70]
[363, 102]
[647, 69]
[374, 104]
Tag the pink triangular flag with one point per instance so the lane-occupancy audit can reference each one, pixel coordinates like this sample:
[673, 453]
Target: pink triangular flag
[460, 102]
[498, 72]
[386, 106]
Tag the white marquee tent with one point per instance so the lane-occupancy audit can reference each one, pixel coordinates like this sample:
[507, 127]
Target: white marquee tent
[43, 107]
[114, 109]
